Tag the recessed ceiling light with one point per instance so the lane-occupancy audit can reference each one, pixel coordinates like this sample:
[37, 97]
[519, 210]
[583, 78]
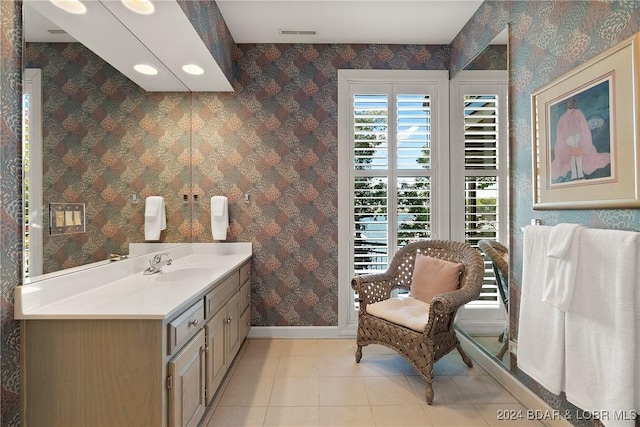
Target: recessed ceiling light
[145, 69]
[192, 69]
[72, 6]
[143, 7]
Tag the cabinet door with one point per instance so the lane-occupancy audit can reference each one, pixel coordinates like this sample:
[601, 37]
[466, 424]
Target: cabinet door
[216, 361]
[233, 325]
[186, 382]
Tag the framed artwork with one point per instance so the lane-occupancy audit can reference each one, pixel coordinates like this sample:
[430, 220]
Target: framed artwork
[586, 152]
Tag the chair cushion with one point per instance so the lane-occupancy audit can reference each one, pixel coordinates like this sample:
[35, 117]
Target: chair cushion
[408, 312]
[433, 276]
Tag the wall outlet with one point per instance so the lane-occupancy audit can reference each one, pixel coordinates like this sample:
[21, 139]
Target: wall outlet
[513, 347]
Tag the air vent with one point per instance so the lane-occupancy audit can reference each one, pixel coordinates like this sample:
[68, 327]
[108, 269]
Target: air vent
[57, 31]
[298, 32]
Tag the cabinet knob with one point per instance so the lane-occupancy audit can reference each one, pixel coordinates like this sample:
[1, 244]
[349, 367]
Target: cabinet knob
[229, 319]
[193, 322]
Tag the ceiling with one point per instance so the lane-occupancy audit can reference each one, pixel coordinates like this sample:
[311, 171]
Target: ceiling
[346, 21]
[166, 39]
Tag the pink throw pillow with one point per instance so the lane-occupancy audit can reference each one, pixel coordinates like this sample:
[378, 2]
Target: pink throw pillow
[433, 276]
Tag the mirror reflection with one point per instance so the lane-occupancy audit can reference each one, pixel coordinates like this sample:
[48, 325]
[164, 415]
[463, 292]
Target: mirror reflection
[100, 145]
[486, 321]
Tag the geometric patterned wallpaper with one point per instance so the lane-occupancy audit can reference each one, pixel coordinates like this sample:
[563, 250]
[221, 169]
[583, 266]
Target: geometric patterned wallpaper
[10, 207]
[104, 140]
[546, 40]
[274, 138]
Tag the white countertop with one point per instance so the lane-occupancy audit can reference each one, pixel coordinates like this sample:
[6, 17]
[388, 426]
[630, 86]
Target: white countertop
[119, 290]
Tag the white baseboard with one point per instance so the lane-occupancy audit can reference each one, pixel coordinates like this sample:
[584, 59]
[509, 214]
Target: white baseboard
[486, 327]
[528, 399]
[310, 332]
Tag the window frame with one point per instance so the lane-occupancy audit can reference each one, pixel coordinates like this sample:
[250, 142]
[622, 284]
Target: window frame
[438, 80]
[479, 318]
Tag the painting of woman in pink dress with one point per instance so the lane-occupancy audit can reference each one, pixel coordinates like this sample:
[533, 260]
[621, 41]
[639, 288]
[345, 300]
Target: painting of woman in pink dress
[576, 155]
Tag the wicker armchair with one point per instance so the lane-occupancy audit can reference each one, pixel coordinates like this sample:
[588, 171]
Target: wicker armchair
[422, 349]
[497, 252]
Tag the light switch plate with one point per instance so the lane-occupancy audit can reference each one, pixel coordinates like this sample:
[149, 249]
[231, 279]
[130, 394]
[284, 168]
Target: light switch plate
[66, 218]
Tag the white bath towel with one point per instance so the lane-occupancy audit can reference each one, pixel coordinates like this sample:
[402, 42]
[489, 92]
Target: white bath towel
[603, 328]
[562, 263]
[540, 325]
[219, 217]
[155, 217]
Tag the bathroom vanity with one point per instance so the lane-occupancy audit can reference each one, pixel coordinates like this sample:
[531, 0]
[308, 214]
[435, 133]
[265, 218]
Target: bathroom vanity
[112, 347]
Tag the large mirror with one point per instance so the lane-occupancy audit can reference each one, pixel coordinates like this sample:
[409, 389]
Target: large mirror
[98, 145]
[485, 322]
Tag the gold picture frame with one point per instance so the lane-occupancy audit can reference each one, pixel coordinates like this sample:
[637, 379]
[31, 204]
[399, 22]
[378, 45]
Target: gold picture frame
[585, 134]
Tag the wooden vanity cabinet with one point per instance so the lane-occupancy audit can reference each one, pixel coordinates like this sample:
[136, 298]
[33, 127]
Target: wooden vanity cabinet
[93, 372]
[186, 384]
[133, 372]
[223, 330]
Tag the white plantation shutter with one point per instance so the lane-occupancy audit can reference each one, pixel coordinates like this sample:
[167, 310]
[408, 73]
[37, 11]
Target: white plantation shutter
[479, 183]
[414, 209]
[370, 182]
[482, 182]
[391, 150]
[33, 225]
[370, 129]
[392, 125]
[25, 166]
[371, 225]
[413, 131]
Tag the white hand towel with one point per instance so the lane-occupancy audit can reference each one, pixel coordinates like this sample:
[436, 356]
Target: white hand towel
[541, 325]
[603, 328]
[155, 218]
[562, 262]
[219, 217]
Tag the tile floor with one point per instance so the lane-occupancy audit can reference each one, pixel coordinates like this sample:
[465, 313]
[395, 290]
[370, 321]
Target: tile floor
[278, 382]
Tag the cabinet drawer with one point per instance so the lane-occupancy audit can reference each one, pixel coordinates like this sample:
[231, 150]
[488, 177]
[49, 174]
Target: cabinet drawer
[245, 296]
[185, 326]
[215, 299]
[245, 272]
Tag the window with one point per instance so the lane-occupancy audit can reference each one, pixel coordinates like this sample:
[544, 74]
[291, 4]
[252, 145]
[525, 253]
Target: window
[32, 168]
[401, 178]
[479, 189]
[395, 131]
[383, 219]
[482, 181]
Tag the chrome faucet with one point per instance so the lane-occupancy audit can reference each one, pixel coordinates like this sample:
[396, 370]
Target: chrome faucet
[156, 264]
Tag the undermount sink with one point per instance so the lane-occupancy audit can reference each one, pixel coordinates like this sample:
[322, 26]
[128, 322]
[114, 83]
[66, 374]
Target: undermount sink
[183, 273]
